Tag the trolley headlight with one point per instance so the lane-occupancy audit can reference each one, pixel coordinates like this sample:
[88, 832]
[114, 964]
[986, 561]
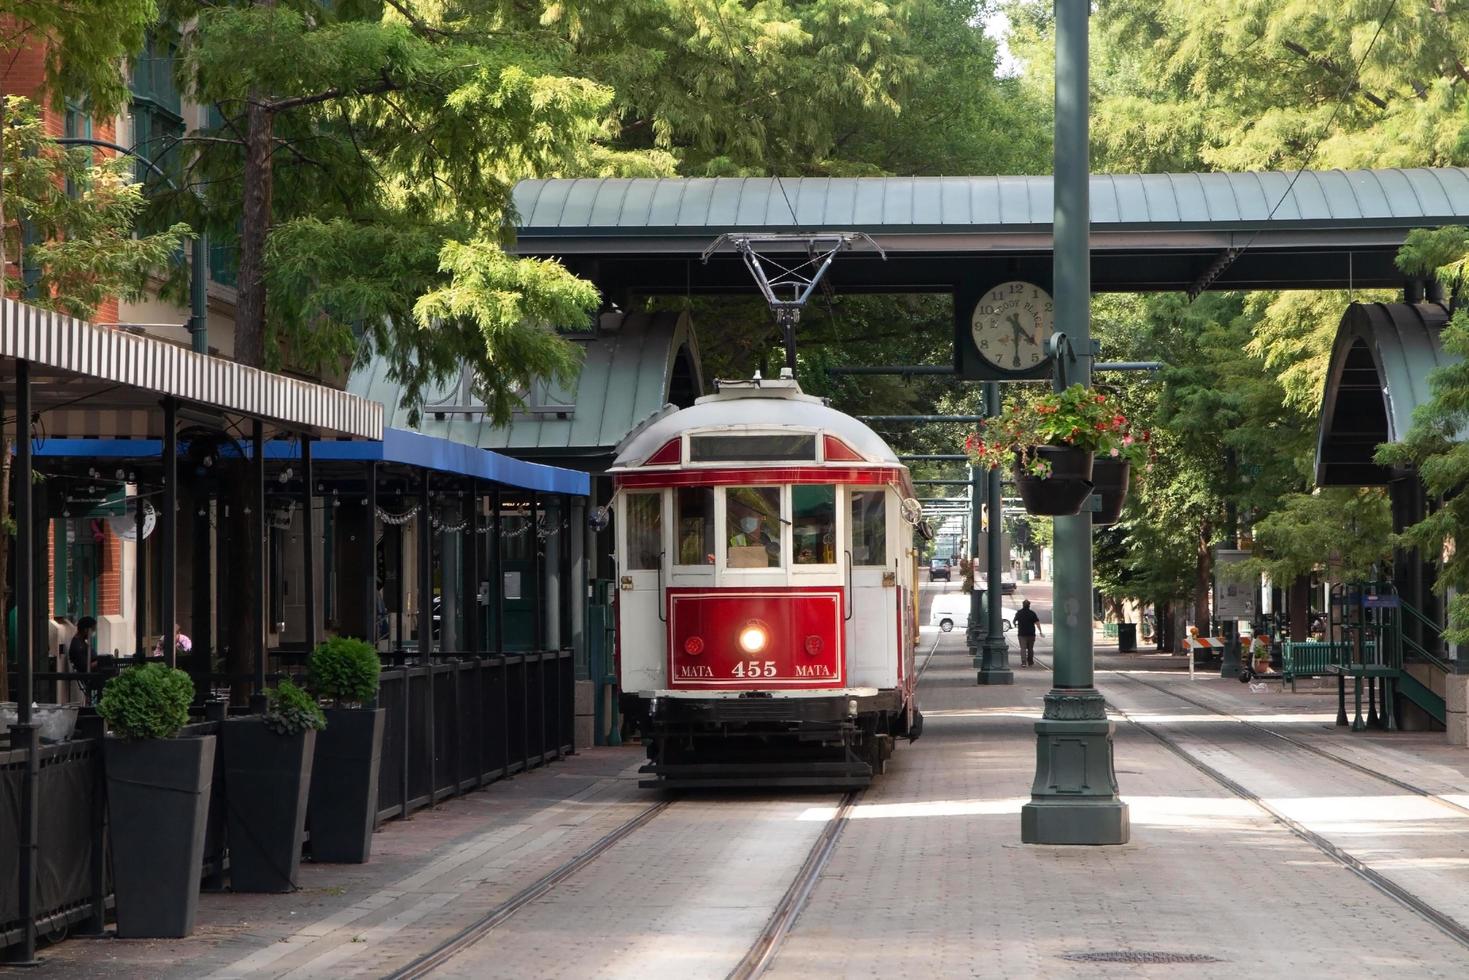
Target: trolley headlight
[754, 637]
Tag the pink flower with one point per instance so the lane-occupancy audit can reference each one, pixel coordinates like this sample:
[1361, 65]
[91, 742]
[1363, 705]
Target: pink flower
[1116, 451]
[1127, 440]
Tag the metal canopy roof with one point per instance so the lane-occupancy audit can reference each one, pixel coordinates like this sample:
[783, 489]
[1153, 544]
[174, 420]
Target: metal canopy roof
[398, 446]
[1149, 231]
[90, 381]
[1379, 374]
[633, 366]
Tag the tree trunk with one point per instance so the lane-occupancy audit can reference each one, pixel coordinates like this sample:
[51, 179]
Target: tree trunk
[242, 619]
[250, 301]
[1203, 580]
[1300, 609]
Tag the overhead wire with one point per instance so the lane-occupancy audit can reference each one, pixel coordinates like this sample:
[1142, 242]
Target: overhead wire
[1352, 84]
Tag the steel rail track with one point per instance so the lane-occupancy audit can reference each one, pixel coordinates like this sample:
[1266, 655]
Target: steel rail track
[1441, 920]
[477, 930]
[1300, 744]
[788, 910]
[755, 961]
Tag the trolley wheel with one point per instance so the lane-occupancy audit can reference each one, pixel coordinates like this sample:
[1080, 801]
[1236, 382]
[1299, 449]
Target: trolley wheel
[947, 625]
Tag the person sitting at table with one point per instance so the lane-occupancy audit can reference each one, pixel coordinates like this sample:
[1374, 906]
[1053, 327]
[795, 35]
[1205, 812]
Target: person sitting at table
[181, 643]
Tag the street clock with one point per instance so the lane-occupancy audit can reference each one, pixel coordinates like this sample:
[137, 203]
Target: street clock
[1001, 329]
[1010, 326]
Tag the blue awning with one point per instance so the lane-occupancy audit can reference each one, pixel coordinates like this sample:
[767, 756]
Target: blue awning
[397, 446]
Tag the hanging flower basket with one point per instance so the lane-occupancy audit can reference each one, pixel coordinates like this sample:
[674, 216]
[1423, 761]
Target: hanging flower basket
[1064, 490]
[1110, 477]
[1053, 440]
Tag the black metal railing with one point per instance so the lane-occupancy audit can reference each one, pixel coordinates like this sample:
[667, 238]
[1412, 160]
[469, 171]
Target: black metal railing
[451, 726]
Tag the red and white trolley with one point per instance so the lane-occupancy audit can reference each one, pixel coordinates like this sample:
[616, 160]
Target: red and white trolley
[766, 606]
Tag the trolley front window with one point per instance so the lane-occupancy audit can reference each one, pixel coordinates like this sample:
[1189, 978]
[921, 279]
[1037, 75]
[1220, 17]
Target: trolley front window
[768, 448]
[814, 514]
[644, 531]
[695, 528]
[869, 527]
[752, 527]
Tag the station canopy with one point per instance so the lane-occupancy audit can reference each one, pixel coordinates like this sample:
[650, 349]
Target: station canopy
[1149, 232]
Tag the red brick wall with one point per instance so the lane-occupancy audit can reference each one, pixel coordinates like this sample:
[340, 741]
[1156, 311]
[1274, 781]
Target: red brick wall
[23, 73]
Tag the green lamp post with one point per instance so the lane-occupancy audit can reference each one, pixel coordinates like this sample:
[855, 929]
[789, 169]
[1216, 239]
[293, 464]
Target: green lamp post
[1074, 798]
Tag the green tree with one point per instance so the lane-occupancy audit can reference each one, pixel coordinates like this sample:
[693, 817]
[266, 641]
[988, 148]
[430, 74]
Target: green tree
[79, 250]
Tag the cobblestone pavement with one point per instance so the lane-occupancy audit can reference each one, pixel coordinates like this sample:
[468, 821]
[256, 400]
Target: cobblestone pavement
[928, 877]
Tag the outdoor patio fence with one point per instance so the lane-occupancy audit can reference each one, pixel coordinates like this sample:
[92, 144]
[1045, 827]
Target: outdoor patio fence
[450, 727]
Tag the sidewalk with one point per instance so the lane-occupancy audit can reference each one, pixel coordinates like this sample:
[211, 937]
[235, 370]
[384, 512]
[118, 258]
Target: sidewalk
[930, 878]
[429, 876]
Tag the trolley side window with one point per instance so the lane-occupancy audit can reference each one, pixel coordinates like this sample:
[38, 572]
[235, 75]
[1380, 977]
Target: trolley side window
[814, 514]
[694, 508]
[774, 448]
[644, 531]
[869, 527]
[752, 527]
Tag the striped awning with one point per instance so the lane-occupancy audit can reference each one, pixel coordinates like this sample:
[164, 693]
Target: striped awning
[101, 382]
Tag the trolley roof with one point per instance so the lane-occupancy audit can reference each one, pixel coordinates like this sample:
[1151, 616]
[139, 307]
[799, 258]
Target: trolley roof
[758, 405]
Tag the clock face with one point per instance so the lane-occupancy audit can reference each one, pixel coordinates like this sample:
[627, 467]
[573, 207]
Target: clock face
[1011, 325]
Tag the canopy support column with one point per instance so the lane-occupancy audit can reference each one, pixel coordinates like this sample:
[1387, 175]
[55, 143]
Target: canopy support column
[308, 544]
[169, 533]
[473, 635]
[26, 735]
[996, 663]
[256, 524]
[369, 559]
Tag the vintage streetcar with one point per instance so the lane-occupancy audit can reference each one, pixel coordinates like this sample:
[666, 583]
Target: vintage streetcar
[766, 601]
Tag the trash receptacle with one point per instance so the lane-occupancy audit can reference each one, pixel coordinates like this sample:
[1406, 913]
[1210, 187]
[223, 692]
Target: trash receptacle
[1127, 637]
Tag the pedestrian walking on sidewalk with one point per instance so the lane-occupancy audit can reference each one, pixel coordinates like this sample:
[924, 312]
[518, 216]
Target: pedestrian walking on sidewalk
[1027, 627]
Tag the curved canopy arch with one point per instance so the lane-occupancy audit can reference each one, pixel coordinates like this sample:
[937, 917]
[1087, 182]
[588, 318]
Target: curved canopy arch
[1379, 371]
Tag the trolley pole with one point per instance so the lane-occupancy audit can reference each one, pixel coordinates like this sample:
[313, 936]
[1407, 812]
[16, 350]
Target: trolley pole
[1074, 798]
[994, 666]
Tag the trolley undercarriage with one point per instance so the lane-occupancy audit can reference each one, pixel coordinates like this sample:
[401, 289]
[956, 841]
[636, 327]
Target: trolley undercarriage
[828, 742]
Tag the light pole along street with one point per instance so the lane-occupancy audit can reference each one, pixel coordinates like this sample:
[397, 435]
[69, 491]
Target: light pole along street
[198, 281]
[1074, 798]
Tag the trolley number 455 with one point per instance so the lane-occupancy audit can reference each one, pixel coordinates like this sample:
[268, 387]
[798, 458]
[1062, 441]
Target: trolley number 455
[754, 668]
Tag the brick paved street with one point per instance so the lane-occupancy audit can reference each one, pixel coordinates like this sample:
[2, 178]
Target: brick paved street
[928, 877]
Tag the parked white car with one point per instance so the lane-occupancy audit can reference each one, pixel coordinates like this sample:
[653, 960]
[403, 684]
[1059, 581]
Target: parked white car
[951, 611]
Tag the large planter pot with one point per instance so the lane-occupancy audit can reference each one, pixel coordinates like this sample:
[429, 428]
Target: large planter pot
[1063, 492]
[157, 799]
[1110, 477]
[266, 782]
[344, 774]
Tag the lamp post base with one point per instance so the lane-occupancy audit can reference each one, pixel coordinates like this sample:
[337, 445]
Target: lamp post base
[994, 664]
[1074, 797]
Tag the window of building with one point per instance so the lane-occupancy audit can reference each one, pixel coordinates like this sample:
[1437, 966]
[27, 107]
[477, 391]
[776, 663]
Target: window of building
[814, 516]
[869, 527]
[158, 122]
[752, 526]
[695, 509]
[644, 531]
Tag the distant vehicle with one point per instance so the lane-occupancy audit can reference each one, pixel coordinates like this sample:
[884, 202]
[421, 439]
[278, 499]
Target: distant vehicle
[1007, 583]
[938, 569]
[952, 610]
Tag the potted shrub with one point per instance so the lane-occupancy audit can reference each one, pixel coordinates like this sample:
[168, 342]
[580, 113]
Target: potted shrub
[158, 800]
[1053, 441]
[267, 772]
[349, 751]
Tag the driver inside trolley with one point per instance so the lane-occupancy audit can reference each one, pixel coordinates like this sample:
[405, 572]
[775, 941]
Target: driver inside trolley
[754, 533]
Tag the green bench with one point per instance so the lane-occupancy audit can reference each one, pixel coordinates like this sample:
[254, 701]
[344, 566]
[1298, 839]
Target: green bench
[1316, 658]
